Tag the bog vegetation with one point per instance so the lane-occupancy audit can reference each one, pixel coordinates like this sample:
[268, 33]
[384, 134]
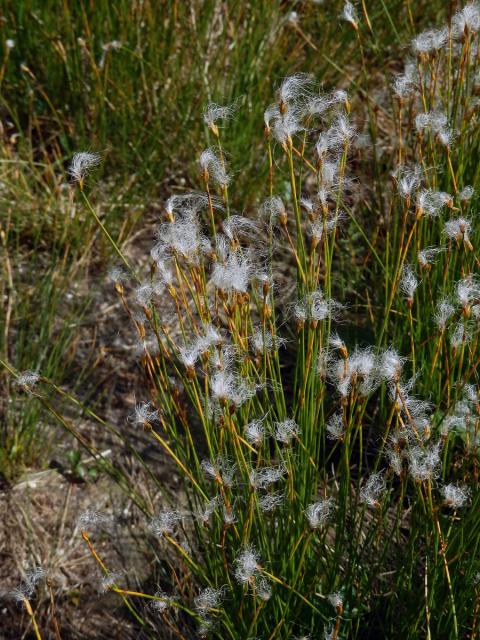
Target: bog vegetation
[307, 323]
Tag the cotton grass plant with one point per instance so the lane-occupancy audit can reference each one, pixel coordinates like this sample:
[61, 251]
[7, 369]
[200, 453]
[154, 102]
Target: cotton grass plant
[330, 485]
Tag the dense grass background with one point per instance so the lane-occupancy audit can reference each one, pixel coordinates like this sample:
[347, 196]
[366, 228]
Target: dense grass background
[130, 80]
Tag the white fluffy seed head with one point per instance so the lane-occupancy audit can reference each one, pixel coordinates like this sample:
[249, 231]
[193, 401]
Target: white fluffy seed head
[455, 496]
[471, 394]
[110, 581]
[27, 587]
[211, 336]
[408, 282]
[335, 427]
[91, 519]
[430, 41]
[438, 121]
[234, 273]
[221, 470]
[180, 237]
[430, 202]
[349, 14]
[271, 113]
[208, 599]
[190, 203]
[323, 363]
[336, 342]
[424, 462]
[263, 342]
[263, 589]
[443, 312]
[362, 370]
[416, 410]
[318, 105]
[390, 365]
[81, 165]
[163, 603]
[422, 121]
[188, 356]
[321, 228]
[318, 513]
[466, 193]
[236, 226]
[316, 307]
[165, 523]
[426, 256]
[27, 379]
[405, 84]
[300, 312]
[358, 370]
[322, 196]
[461, 335]
[454, 423]
[264, 477]
[286, 126]
[204, 514]
[165, 272]
[467, 291]
[205, 626]
[144, 414]
[458, 229]
[294, 88]
[336, 600]
[255, 432]
[214, 167]
[329, 172]
[340, 96]
[286, 430]
[343, 130]
[117, 274]
[446, 136]
[247, 565]
[144, 294]
[408, 180]
[273, 209]
[466, 20]
[463, 408]
[329, 632]
[395, 460]
[326, 143]
[226, 386]
[270, 501]
[434, 120]
[215, 112]
[223, 359]
[228, 515]
[34, 575]
[205, 343]
[372, 490]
